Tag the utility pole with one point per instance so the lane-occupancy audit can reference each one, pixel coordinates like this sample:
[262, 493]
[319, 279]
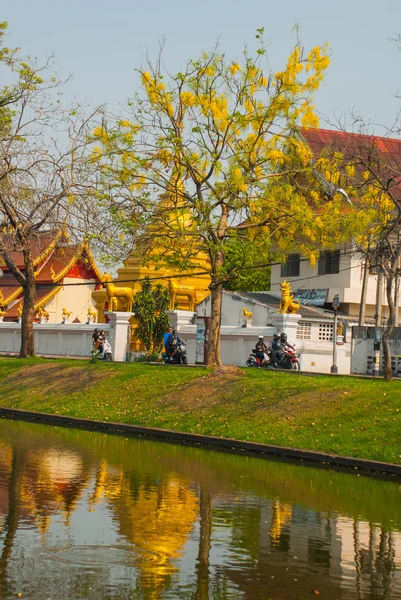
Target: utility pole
[336, 304]
[379, 308]
[362, 306]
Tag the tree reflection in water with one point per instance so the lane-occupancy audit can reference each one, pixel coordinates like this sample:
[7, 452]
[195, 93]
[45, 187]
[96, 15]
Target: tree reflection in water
[95, 516]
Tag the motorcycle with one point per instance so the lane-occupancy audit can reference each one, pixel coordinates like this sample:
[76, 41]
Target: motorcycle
[290, 361]
[180, 357]
[255, 361]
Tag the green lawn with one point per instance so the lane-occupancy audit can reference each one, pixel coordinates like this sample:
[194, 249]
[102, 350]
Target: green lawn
[344, 415]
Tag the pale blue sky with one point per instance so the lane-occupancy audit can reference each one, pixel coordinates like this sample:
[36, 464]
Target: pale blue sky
[102, 42]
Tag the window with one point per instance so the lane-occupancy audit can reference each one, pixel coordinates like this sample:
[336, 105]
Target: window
[291, 267]
[329, 263]
[326, 332]
[304, 330]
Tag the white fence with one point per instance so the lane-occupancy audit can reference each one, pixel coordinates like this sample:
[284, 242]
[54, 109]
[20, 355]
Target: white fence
[312, 340]
[72, 339]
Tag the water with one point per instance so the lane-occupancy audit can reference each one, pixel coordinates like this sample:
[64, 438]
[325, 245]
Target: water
[97, 516]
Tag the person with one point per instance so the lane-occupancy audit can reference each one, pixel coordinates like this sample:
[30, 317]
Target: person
[167, 338]
[173, 344]
[101, 340]
[277, 349]
[261, 350]
[95, 340]
[107, 352]
[285, 344]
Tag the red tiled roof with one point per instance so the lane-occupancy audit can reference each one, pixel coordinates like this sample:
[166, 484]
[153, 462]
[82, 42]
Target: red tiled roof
[384, 154]
[41, 293]
[351, 144]
[61, 257]
[38, 246]
[8, 285]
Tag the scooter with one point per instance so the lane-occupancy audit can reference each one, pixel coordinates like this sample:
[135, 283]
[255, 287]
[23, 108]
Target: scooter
[180, 357]
[255, 361]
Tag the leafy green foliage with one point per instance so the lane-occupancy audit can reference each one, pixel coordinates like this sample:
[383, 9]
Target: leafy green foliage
[150, 305]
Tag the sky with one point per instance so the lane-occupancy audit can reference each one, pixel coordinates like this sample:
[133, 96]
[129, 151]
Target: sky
[101, 43]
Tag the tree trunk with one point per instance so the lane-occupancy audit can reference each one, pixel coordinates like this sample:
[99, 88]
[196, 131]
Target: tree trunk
[213, 347]
[388, 374]
[205, 533]
[11, 523]
[28, 312]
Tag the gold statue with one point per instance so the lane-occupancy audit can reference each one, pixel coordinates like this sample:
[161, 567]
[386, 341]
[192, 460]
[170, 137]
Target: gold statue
[188, 291]
[65, 313]
[287, 304]
[247, 314]
[91, 314]
[115, 292]
[43, 314]
[340, 329]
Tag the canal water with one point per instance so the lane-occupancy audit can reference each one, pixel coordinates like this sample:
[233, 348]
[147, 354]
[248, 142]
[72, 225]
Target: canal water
[97, 516]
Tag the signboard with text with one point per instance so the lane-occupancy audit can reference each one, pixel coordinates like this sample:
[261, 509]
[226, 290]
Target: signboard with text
[201, 336]
[314, 297]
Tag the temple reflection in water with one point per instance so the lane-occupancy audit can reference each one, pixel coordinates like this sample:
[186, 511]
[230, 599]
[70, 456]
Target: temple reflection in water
[90, 515]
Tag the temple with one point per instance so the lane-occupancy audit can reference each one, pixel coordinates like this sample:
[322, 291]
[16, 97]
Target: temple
[59, 265]
[187, 288]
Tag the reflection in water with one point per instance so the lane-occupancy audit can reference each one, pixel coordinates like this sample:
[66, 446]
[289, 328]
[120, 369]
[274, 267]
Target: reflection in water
[88, 515]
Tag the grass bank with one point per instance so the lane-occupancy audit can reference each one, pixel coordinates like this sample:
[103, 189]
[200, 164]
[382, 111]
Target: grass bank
[343, 415]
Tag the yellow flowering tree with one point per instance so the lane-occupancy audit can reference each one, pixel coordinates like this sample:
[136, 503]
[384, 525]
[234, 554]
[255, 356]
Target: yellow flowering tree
[219, 143]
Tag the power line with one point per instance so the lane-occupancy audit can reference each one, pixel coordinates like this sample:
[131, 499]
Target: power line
[167, 277]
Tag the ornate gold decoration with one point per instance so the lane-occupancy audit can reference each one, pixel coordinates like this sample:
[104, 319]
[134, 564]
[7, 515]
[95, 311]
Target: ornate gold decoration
[19, 310]
[91, 314]
[53, 273]
[2, 300]
[340, 329]
[2, 313]
[287, 304]
[65, 313]
[247, 314]
[115, 292]
[50, 247]
[42, 314]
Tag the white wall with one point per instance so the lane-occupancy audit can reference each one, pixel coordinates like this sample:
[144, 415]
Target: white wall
[309, 278]
[368, 361]
[51, 339]
[232, 306]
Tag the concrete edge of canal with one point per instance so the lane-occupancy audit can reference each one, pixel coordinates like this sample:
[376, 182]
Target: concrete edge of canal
[255, 448]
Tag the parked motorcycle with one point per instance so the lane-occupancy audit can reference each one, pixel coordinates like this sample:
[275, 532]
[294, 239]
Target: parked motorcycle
[180, 357]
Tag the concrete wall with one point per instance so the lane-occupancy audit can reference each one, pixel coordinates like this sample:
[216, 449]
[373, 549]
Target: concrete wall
[51, 339]
[367, 355]
[233, 304]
